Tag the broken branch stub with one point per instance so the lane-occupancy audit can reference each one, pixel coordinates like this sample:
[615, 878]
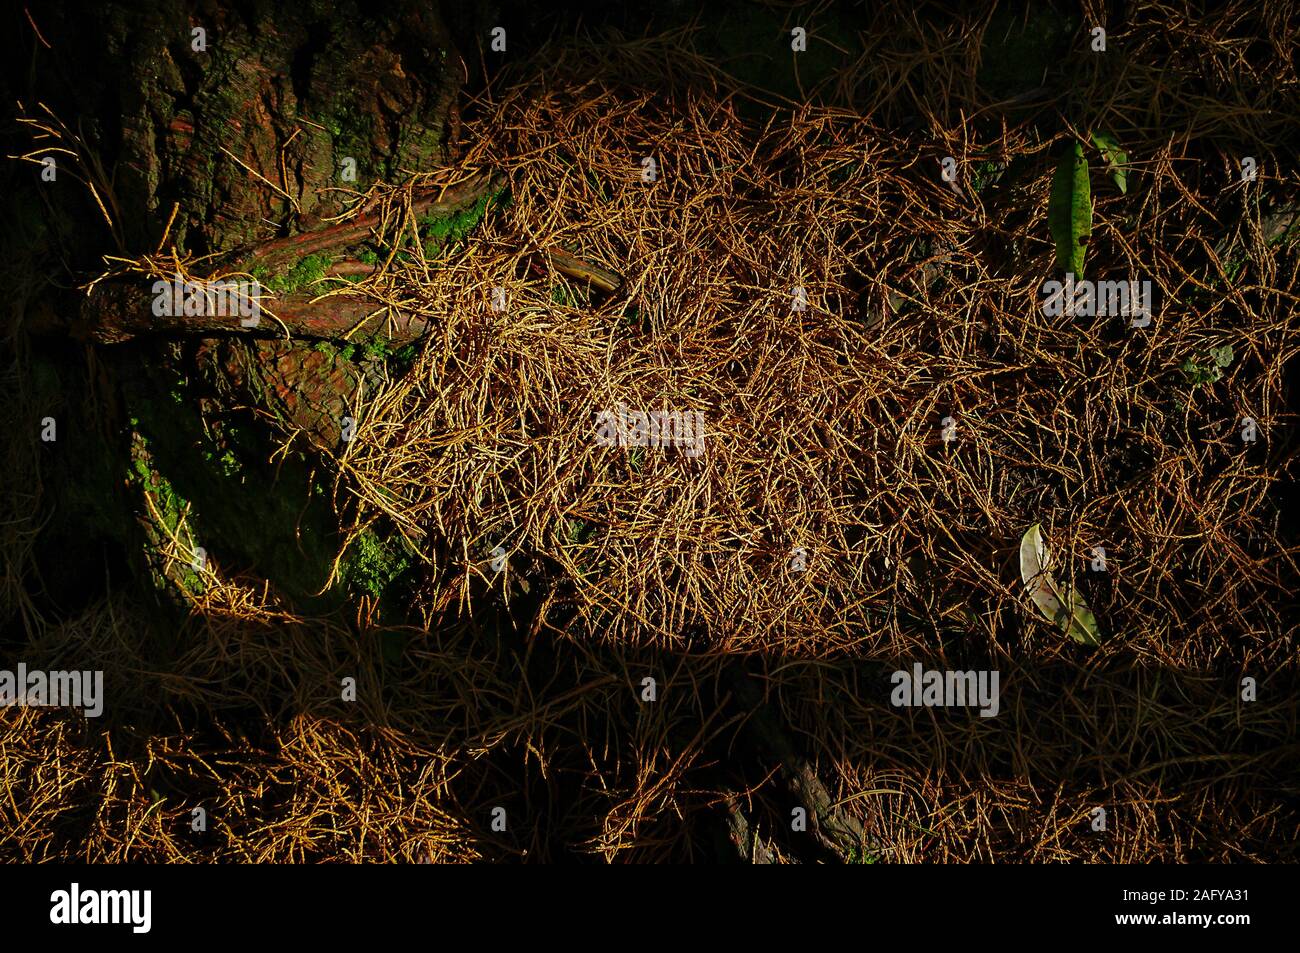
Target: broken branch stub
[115, 312]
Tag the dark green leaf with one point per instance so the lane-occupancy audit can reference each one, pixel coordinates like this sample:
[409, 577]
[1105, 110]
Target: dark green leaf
[1069, 210]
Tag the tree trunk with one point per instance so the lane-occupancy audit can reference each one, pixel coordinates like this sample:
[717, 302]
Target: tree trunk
[229, 131]
[244, 116]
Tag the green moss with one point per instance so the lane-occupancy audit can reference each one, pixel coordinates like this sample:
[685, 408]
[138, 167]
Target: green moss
[230, 464]
[375, 349]
[306, 272]
[310, 269]
[171, 505]
[245, 511]
[443, 232]
[171, 509]
[374, 564]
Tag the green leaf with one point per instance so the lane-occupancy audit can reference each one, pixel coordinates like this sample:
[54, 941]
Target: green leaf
[1069, 210]
[1116, 159]
[1199, 374]
[1062, 606]
[1222, 356]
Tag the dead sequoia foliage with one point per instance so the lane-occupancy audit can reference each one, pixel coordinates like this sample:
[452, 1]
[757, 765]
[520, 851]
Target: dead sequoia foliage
[823, 433]
[824, 425]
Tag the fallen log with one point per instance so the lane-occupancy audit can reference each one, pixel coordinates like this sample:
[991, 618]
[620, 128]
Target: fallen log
[280, 253]
[118, 310]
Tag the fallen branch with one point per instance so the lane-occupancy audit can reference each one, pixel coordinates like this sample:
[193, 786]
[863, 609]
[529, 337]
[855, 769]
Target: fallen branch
[574, 267]
[281, 253]
[119, 310]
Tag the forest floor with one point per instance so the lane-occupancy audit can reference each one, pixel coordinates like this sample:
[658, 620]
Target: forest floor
[463, 626]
